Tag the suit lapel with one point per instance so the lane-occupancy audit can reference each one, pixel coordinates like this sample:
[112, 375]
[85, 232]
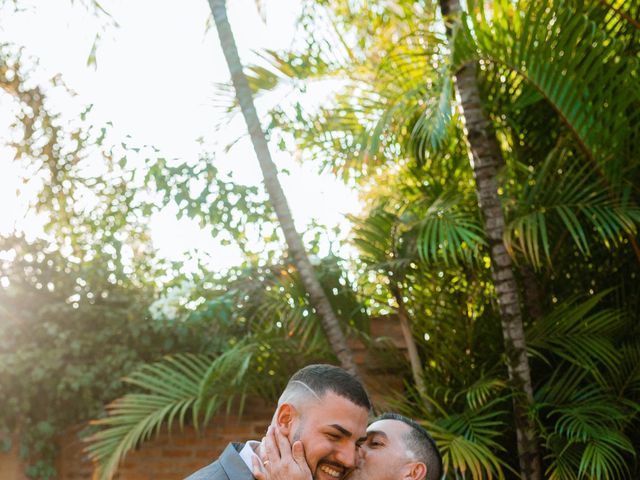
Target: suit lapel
[232, 463]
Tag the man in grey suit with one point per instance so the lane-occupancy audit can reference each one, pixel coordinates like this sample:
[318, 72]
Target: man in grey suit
[325, 409]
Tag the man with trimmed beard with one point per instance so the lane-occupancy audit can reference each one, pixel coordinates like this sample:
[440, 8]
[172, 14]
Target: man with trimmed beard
[324, 409]
[396, 448]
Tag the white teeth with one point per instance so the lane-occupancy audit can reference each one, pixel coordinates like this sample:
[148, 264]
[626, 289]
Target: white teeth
[330, 471]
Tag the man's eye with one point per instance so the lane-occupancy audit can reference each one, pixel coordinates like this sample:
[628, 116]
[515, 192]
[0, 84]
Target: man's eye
[333, 436]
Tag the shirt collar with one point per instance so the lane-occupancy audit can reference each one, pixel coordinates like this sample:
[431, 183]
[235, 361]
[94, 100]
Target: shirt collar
[249, 451]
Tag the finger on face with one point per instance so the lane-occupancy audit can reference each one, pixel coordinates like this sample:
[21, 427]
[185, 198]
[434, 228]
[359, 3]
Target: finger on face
[283, 443]
[258, 473]
[271, 445]
[297, 452]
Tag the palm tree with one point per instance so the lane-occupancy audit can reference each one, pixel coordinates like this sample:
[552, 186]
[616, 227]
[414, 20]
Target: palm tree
[562, 202]
[600, 136]
[487, 160]
[244, 95]
[557, 57]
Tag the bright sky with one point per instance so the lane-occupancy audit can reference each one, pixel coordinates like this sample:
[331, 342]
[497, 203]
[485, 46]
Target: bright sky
[155, 81]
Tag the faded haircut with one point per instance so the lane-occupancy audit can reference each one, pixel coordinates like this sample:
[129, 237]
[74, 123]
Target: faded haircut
[420, 443]
[318, 379]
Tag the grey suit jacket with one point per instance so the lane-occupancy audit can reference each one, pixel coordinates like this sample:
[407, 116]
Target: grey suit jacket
[228, 466]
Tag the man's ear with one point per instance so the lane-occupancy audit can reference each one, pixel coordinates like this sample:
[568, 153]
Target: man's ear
[285, 415]
[415, 471]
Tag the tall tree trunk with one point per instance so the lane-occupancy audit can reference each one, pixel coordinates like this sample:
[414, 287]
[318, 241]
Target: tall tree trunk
[317, 296]
[414, 358]
[487, 159]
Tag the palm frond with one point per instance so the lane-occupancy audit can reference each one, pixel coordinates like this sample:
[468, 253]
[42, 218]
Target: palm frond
[375, 236]
[448, 233]
[432, 127]
[587, 436]
[587, 414]
[284, 310]
[565, 379]
[569, 59]
[563, 458]
[560, 196]
[468, 443]
[190, 389]
[579, 334]
[604, 457]
[366, 122]
[482, 391]
[172, 387]
[274, 70]
[626, 379]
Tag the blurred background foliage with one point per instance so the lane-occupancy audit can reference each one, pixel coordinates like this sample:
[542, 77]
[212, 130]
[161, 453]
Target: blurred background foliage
[558, 80]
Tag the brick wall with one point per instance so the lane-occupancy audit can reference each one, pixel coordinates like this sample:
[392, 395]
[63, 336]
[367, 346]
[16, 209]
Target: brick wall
[11, 468]
[171, 456]
[174, 455]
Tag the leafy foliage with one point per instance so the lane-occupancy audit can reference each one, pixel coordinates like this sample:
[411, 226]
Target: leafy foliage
[180, 385]
[264, 329]
[553, 77]
[229, 210]
[585, 422]
[569, 59]
[562, 197]
[558, 80]
[58, 318]
[81, 292]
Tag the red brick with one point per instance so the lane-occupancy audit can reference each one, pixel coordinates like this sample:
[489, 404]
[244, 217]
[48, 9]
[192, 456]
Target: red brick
[136, 476]
[176, 453]
[190, 440]
[204, 454]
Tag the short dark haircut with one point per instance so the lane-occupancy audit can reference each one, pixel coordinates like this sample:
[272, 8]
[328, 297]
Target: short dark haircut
[322, 378]
[421, 443]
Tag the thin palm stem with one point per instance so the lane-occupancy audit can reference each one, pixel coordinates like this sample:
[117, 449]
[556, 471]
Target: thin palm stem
[316, 293]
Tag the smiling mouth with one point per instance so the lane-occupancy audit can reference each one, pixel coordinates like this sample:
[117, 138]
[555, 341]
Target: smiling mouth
[331, 471]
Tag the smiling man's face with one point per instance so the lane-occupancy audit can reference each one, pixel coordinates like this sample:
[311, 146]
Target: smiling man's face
[330, 429]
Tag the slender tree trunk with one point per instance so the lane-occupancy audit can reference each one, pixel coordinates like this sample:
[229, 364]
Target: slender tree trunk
[317, 296]
[414, 358]
[486, 160]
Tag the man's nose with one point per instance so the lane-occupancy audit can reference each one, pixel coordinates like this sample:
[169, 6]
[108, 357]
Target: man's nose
[347, 456]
